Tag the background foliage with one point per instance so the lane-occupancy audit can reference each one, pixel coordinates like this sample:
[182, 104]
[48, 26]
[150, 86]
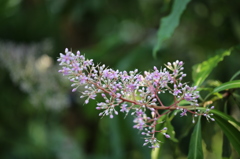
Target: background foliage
[41, 118]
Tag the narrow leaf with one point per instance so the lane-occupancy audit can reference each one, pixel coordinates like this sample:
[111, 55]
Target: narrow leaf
[202, 70]
[230, 131]
[227, 85]
[222, 115]
[170, 130]
[156, 152]
[168, 24]
[235, 75]
[195, 148]
[226, 147]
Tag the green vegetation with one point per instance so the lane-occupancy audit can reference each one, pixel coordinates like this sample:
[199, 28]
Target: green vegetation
[41, 118]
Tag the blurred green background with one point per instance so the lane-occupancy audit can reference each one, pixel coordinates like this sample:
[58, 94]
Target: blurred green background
[41, 118]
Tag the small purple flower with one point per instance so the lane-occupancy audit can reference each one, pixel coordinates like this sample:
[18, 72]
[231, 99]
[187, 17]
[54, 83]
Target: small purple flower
[83, 79]
[167, 136]
[65, 71]
[75, 67]
[140, 124]
[184, 112]
[124, 108]
[65, 58]
[188, 97]
[176, 92]
[131, 87]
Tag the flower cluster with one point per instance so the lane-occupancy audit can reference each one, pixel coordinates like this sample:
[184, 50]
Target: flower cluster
[132, 92]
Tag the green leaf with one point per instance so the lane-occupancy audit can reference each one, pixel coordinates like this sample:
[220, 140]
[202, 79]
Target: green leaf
[156, 152]
[225, 116]
[222, 115]
[208, 133]
[226, 147]
[230, 131]
[235, 75]
[170, 130]
[184, 102]
[236, 98]
[116, 147]
[227, 85]
[202, 70]
[195, 148]
[166, 120]
[162, 119]
[168, 24]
